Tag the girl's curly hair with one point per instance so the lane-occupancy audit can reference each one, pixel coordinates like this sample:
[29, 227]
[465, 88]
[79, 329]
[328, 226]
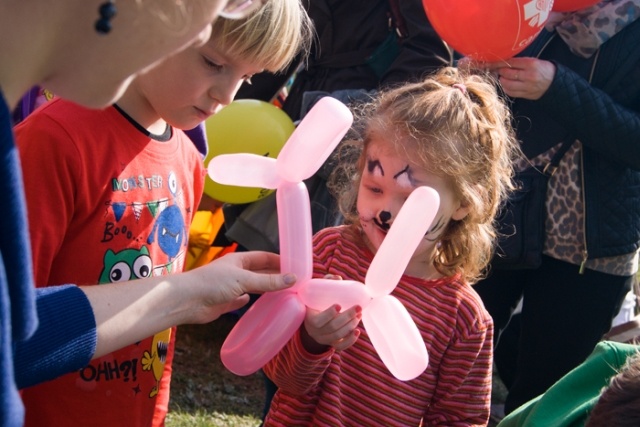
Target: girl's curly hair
[456, 126]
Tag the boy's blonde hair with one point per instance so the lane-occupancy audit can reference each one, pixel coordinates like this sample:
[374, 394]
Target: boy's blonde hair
[457, 127]
[271, 37]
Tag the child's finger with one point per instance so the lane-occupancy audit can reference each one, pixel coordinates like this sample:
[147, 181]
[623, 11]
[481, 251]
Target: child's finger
[316, 320]
[347, 341]
[341, 326]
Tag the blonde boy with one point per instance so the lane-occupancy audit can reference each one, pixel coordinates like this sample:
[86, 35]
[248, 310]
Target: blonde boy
[120, 190]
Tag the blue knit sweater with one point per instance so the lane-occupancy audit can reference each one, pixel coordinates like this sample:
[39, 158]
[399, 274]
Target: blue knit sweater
[46, 332]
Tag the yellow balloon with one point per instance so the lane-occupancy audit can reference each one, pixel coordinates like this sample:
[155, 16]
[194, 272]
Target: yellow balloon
[245, 126]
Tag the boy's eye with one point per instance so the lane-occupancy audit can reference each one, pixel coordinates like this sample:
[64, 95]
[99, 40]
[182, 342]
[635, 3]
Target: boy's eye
[211, 64]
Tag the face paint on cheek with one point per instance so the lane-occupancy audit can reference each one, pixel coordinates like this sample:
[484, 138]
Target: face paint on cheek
[436, 229]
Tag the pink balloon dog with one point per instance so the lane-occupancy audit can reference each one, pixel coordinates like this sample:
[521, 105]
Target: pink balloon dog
[273, 319]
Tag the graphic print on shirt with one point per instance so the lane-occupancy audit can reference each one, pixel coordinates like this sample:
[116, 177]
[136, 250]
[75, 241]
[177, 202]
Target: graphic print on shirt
[145, 234]
[155, 359]
[131, 264]
[128, 264]
[170, 233]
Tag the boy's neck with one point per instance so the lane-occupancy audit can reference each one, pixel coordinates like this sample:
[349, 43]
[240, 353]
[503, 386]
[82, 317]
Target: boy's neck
[137, 107]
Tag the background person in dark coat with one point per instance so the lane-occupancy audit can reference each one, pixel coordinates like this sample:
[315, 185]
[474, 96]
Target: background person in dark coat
[578, 81]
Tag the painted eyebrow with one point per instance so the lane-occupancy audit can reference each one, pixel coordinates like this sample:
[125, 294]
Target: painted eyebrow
[406, 171]
[373, 164]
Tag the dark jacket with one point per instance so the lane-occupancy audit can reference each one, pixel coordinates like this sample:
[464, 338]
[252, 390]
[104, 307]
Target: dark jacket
[606, 122]
[355, 48]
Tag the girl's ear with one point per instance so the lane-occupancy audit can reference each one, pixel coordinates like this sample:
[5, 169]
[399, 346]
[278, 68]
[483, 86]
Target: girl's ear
[462, 211]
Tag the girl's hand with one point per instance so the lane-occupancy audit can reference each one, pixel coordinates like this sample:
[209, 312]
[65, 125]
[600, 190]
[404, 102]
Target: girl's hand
[330, 328]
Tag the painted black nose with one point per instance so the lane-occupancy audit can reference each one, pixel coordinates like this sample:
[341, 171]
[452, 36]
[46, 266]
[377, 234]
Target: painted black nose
[384, 216]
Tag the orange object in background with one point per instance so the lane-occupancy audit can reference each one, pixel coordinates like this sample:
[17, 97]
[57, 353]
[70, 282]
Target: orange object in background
[203, 231]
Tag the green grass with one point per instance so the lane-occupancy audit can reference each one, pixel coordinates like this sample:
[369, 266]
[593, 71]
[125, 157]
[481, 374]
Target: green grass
[207, 419]
[203, 392]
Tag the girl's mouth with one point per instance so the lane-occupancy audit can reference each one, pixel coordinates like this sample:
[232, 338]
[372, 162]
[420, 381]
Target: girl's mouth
[382, 225]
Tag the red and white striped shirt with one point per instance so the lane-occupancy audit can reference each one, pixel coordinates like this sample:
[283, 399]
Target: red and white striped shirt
[354, 388]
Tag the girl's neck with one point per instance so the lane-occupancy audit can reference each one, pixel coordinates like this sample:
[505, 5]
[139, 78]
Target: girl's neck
[420, 267]
[423, 269]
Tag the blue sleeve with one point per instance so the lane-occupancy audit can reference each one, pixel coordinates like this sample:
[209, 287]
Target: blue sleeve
[64, 341]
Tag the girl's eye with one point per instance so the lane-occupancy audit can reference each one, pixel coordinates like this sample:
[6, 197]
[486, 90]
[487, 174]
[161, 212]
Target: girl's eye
[375, 190]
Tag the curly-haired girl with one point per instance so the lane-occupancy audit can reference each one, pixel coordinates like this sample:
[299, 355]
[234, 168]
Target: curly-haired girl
[450, 132]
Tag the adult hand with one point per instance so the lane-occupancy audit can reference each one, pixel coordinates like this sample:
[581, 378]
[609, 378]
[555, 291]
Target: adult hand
[330, 328]
[224, 284]
[527, 78]
[130, 311]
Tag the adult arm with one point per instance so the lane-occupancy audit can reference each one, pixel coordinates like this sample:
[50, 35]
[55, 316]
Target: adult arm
[599, 121]
[51, 178]
[125, 313]
[77, 324]
[595, 117]
[64, 340]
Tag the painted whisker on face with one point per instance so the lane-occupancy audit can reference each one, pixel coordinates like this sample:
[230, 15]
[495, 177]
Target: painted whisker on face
[438, 226]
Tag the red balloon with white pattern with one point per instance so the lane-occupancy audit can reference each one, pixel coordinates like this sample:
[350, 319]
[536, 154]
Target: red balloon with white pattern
[488, 30]
[572, 5]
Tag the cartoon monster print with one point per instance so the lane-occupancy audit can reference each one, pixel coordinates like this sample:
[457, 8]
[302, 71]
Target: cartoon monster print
[170, 230]
[155, 359]
[128, 264]
[131, 264]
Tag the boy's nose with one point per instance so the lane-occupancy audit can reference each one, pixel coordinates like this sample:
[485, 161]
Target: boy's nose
[224, 97]
[225, 93]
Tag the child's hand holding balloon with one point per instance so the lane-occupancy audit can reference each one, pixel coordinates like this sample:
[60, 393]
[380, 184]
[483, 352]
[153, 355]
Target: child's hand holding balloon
[330, 328]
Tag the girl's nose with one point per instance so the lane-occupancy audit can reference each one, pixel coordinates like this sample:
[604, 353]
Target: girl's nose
[383, 220]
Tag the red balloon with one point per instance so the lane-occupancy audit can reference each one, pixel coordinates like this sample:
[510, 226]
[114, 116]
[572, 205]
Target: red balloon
[488, 30]
[572, 5]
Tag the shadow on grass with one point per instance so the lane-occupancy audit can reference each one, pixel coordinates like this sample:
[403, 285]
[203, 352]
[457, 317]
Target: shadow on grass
[203, 391]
